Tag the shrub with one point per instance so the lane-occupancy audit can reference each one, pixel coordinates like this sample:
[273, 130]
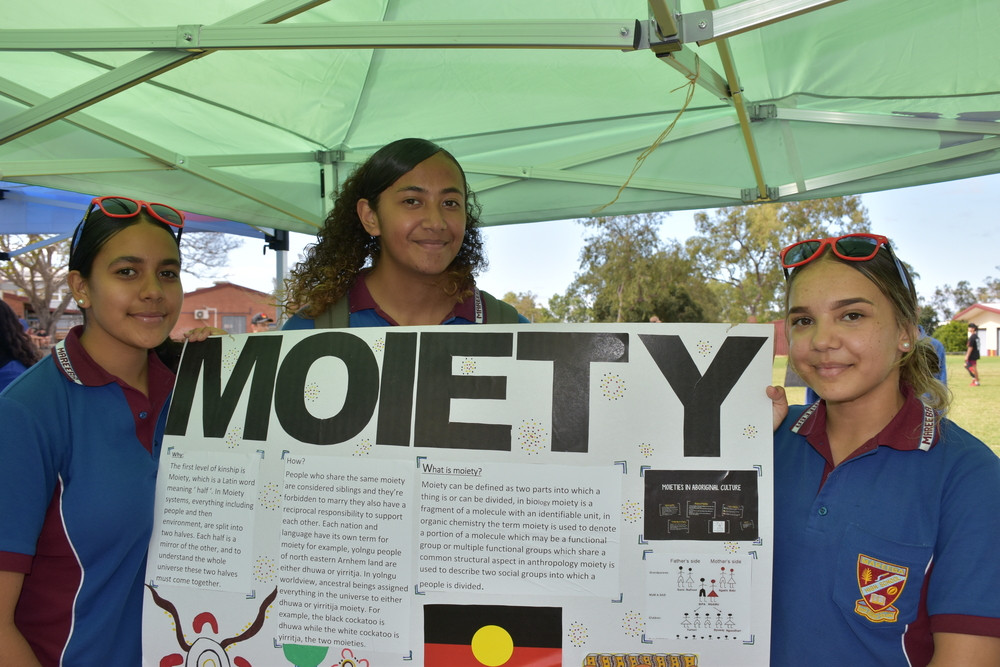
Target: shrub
[954, 335]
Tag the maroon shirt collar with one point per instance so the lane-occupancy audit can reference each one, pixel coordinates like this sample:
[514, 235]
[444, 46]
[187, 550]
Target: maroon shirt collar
[359, 298]
[913, 427]
[78, 366]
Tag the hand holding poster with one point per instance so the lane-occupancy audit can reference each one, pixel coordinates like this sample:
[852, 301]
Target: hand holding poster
[491, 496]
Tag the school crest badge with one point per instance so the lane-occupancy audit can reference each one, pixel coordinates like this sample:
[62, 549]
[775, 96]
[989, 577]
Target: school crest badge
[880, 584]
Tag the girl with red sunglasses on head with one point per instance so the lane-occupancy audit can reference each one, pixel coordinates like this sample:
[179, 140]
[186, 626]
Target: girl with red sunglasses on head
[79, 449]
[887, 514]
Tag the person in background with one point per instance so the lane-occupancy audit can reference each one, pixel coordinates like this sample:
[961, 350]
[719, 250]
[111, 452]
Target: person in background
[260, 322]
[401, 246]
[80, 444]
[972, 354]
[886, 508]
[942, 366]
[17, 352]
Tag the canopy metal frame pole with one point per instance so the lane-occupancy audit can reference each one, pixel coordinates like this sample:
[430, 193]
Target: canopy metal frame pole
[35, 246]
[716, 25]
[133, 73]
[722, 23]
[664, 32]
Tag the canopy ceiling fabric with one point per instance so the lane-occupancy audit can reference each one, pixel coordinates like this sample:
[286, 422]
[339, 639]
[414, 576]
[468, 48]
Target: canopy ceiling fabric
[252, 112]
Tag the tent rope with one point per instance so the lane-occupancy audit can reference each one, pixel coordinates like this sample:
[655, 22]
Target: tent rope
[692, 81]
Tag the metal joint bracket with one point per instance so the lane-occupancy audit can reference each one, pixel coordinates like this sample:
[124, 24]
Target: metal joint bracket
[661, 18]
[328, 157]
[651, 38]
[753, 196]
[696, 26]
[640, 35]
[665, 48]
[759, 112]
[189, 37]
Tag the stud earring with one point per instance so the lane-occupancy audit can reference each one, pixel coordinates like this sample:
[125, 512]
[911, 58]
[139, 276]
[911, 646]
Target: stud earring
[906, 346]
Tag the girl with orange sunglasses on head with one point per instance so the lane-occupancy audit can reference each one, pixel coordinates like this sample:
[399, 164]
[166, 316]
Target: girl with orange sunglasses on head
[887, 514]
[79, 451]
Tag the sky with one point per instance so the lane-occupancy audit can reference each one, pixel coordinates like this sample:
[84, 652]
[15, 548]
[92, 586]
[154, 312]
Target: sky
[946, 231]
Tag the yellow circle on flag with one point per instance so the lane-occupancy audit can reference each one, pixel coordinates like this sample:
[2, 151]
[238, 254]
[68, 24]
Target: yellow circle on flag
[492, 645]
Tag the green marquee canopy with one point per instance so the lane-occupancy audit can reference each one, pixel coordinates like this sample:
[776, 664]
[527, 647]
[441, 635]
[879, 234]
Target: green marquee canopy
[254, 112]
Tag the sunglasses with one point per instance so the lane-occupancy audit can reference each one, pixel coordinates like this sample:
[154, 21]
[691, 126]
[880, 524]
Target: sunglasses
[123, 207]
[849, 247]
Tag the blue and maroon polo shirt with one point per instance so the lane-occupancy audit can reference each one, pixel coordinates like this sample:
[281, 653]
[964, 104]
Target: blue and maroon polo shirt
[78, 460]
[898, 542]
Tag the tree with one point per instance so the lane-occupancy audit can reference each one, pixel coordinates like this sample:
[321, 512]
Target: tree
[738, 248]
[990, 291]
[667, 298]
[949, 300]
[927, 318]
[954, 336]
[41, 273]
[627, 274]
[203, 254]
[571, 306]
[526, 304]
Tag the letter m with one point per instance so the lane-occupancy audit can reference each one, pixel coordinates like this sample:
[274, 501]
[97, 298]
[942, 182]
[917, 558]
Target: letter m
[258, 357]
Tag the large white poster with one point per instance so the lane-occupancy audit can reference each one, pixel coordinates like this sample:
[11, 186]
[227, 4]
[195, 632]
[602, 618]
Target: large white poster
[482, 495]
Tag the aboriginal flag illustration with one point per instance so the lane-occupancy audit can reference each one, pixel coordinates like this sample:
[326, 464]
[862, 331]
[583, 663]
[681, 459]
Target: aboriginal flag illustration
[492, 635]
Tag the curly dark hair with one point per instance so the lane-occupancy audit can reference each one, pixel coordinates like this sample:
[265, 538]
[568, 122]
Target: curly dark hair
[343, 247]
[14, 343]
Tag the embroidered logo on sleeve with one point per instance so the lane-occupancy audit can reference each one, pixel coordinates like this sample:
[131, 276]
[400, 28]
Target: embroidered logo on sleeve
[881, 584]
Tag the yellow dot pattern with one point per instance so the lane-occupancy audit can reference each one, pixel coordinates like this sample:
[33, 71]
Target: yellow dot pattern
[612, 387]
[269, 496]
[578, 634]
[631, 511]
[229, 359]
[633, 624]
[363, 448]
[234, 437]
[265, 570]
[531, 436]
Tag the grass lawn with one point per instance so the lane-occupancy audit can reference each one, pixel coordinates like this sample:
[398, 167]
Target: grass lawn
[976, 409]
